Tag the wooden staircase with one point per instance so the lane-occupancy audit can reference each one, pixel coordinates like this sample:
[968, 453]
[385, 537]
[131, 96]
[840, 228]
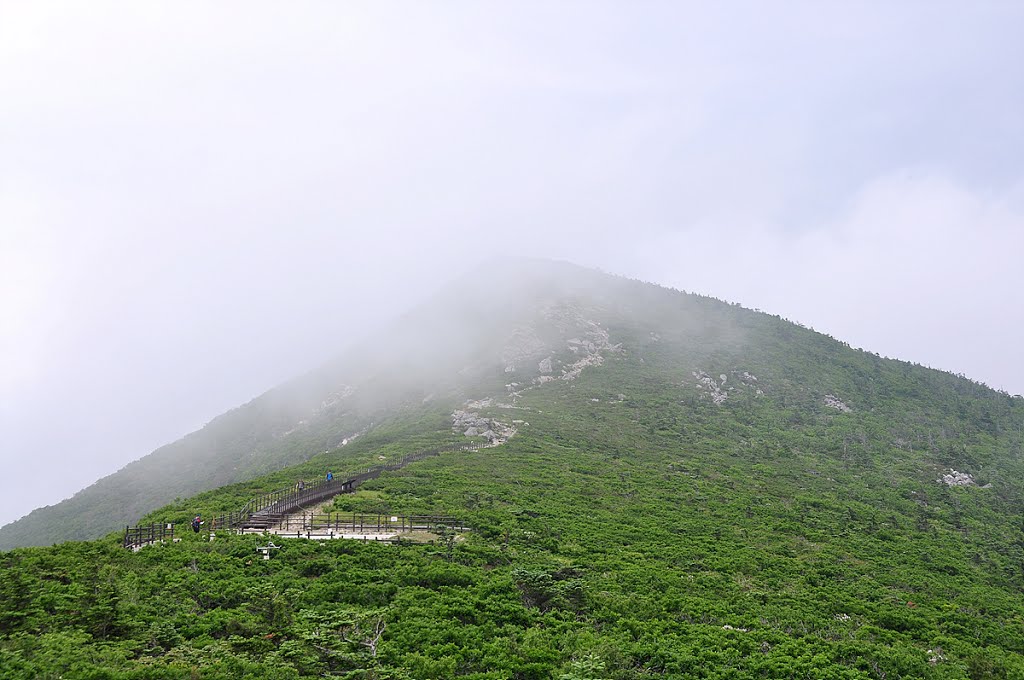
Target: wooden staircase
[263, 521]
[267, 511]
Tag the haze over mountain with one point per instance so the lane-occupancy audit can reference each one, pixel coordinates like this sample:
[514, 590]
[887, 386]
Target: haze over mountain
[495, 324]
[615, 480]
[657, 483]
[182, 228]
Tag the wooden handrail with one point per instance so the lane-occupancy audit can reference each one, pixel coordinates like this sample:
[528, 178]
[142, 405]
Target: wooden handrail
[290, 498]
[136, 537]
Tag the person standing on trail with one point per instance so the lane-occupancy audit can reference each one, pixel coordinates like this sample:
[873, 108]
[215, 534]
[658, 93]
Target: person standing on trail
[302, 485]
[196, 523]
[330, 476]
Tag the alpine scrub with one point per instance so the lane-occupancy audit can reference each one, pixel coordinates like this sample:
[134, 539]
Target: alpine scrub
[715, 493]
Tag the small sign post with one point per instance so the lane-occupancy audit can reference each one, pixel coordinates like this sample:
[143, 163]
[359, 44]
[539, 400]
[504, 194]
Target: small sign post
[266, 549]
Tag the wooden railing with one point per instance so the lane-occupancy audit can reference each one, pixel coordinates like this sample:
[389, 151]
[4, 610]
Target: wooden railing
[286, 500]
[290, 500]
[344, 523]
[136, 537]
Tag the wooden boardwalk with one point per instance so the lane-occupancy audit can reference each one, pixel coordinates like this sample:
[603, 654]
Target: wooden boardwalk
[358, 526]
[138, 537]
[274, 512]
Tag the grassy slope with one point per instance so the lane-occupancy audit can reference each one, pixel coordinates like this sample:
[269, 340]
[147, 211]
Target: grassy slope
[623, 536]
[440, 349]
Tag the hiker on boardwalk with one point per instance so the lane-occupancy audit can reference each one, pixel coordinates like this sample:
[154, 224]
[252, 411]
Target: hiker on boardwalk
[196, 523]
[330, 476]
[301, 485]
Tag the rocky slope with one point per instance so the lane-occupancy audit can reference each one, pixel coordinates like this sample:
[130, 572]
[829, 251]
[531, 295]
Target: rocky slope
[508, 329]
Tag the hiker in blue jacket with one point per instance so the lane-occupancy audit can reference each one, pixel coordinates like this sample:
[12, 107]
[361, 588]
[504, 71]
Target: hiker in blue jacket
[330, 476]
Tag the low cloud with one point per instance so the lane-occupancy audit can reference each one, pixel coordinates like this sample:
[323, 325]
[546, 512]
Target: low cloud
[919, 266]
[198, 202]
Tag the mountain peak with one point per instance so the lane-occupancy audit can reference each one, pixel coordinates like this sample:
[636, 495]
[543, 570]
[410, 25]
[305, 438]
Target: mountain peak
[511, 327]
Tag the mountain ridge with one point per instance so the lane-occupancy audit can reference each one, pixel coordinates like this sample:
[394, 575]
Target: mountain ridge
[315, 411]
[664, 484]
[120, 497]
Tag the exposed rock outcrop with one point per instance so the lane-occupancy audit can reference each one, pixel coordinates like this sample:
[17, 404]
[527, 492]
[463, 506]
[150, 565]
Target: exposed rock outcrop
[835, 402]
[336, 397]
[954, 478]
[521, 347]
[718, 390]
[589, 349]
[475, 425]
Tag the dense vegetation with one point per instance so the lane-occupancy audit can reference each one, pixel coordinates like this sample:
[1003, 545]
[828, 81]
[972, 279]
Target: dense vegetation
[631, 528]
[439, 350]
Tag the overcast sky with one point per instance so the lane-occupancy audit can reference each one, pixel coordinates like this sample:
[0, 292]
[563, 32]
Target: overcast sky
[200, 200]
